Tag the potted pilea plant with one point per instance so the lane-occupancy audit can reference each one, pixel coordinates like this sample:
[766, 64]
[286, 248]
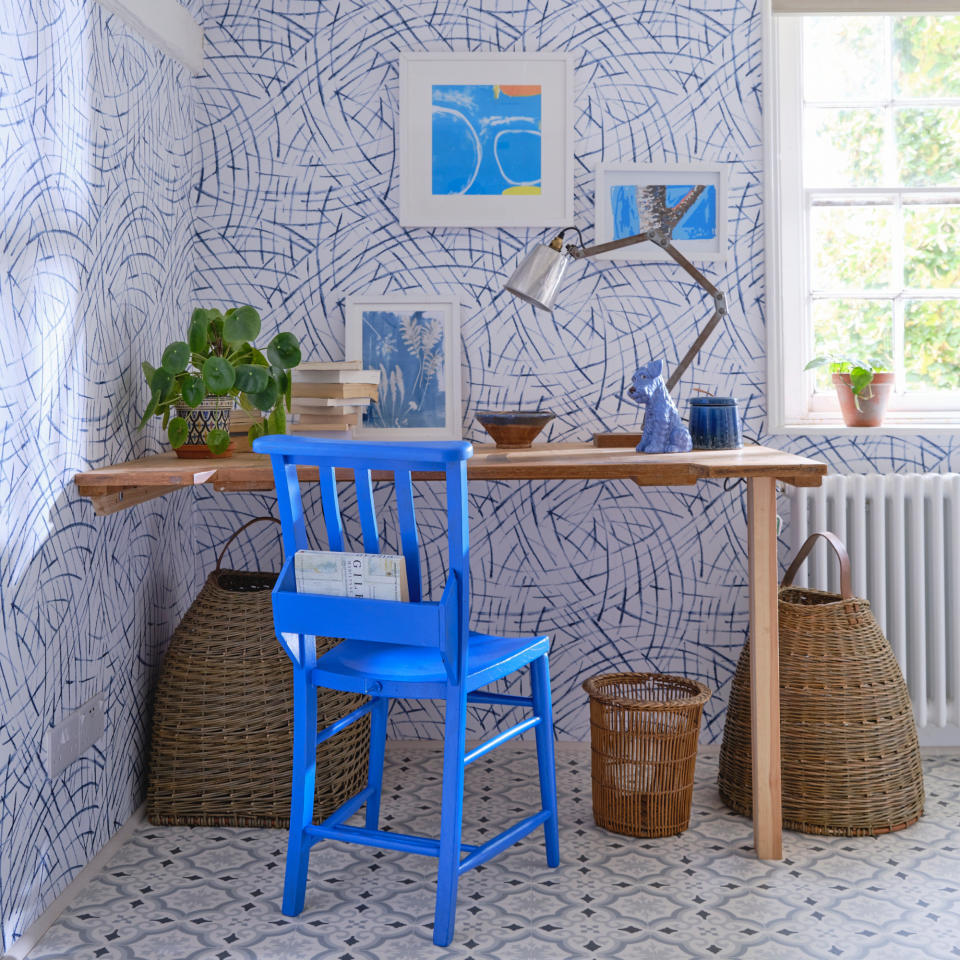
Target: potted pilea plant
[198, 381]
[863, 387]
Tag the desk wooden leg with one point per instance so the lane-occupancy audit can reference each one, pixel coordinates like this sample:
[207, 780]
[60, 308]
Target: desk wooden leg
[764, 668]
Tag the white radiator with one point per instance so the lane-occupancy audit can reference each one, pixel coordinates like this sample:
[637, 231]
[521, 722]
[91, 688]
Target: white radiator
[902, 532]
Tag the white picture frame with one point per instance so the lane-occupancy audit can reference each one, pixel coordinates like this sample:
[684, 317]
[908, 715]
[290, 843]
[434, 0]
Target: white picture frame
[616, 182]
[452, 95]
[406, 337]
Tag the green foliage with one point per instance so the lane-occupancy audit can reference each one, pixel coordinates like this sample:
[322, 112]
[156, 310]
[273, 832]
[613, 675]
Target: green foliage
[218, 441]
[176, 357]
[217, 358]
[925, 56]
[284, 351]
[852, 246]
[177, 432]
[860, 371]
[251, 377]
[193, 390]
[199, 326]
[243, 324]
[932, 343]
[928, 146]
[218, 375]
[931, 235]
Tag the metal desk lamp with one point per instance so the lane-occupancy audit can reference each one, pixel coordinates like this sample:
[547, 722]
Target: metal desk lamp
[537, 279]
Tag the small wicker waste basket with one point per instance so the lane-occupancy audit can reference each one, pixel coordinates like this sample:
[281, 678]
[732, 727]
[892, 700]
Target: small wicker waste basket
[644, 729]
[850, 760]
[222, 744]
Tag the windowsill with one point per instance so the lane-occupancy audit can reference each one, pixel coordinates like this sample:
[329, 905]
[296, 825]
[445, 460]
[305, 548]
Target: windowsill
[895, 425]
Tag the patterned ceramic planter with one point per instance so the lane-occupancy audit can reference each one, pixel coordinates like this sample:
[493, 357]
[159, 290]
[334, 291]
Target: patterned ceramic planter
[212, 414]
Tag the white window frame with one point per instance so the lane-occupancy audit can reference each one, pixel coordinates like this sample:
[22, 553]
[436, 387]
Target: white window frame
[793, 405]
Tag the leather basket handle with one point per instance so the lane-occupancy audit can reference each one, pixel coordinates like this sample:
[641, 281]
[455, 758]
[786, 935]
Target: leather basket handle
[839, 549]
[237, 533]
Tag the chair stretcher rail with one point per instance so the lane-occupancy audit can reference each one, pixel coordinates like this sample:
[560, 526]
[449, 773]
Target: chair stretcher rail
[503, 840]
[477, 752]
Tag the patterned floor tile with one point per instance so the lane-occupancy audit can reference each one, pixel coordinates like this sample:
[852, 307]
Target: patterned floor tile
[181, 893]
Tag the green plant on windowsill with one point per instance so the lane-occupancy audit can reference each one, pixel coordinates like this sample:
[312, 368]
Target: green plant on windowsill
[860, 371]
[863, 387]
[218, 359]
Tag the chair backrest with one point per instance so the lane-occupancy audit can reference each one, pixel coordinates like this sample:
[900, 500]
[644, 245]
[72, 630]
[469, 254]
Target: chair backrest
[294, 460]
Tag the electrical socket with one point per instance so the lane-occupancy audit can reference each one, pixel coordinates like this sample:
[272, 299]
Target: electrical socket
[75, 734]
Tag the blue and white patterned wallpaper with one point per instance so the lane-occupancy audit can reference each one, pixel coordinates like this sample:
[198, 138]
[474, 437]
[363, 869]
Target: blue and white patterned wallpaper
[128, 189]
[297, 208]
[96, 165]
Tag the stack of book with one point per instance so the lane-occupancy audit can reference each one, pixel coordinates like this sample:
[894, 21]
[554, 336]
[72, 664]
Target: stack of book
[330, 396]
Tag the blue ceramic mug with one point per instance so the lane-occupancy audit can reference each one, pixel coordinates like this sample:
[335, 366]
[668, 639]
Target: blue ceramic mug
[715, 424]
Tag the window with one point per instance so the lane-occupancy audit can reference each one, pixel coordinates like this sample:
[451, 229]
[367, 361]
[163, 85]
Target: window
[865, 202]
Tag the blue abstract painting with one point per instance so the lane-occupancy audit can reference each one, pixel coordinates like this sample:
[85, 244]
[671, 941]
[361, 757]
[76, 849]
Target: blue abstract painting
[639, 208]
[486, 139]
[408, 347]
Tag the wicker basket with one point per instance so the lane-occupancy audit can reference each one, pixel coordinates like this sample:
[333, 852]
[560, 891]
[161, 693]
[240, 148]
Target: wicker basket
[222, 725]
[644, 729]
[850, 759]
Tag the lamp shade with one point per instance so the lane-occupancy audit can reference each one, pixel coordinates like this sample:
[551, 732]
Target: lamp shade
[538, 277]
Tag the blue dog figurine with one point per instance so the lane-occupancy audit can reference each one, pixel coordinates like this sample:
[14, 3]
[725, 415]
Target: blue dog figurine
[663, 430]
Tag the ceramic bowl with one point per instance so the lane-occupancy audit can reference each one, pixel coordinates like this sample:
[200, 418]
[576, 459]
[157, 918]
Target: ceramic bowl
[513, 429]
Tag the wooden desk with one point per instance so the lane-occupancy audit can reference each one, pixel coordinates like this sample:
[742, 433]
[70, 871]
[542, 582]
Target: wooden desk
[115, 488]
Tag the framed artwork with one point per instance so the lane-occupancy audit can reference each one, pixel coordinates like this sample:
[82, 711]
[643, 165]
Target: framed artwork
[690, 201]
[415, 344]
[485, 139]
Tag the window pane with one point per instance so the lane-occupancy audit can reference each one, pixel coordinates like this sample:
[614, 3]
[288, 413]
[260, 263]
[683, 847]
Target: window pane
[932, 344]
[851, 246]
[925, 62]
[843, 148]
[931, 239]
[843, 59]
[928, 146]
[859, 329]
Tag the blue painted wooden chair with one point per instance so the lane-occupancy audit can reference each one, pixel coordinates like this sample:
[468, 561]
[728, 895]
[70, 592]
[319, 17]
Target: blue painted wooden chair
[420, 650]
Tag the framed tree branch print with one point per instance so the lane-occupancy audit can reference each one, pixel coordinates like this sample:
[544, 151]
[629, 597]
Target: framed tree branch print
[687, 202]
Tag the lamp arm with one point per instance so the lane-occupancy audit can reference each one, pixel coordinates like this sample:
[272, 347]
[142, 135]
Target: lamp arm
[581, 253]
[662, 239]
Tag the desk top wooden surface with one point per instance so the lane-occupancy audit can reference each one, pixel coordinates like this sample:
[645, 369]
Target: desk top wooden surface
[139, 480]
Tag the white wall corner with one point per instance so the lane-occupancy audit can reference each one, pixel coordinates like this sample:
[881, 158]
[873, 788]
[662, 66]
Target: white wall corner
[165, 23]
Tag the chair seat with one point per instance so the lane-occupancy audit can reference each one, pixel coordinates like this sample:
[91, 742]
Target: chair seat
[362, 666]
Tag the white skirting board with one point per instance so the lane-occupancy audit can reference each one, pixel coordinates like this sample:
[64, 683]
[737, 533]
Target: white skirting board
[31, 936]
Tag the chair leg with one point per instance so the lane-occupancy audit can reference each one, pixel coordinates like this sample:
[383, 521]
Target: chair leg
[451, 817]
[302, 798]
[378, 742]
[543, 707]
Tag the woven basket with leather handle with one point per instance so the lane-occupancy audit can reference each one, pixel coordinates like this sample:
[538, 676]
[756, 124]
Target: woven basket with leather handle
[850, 758]
[223, 717]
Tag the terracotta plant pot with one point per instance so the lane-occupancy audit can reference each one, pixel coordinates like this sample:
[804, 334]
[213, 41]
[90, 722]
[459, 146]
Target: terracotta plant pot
[212, 414]
[872, 402]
